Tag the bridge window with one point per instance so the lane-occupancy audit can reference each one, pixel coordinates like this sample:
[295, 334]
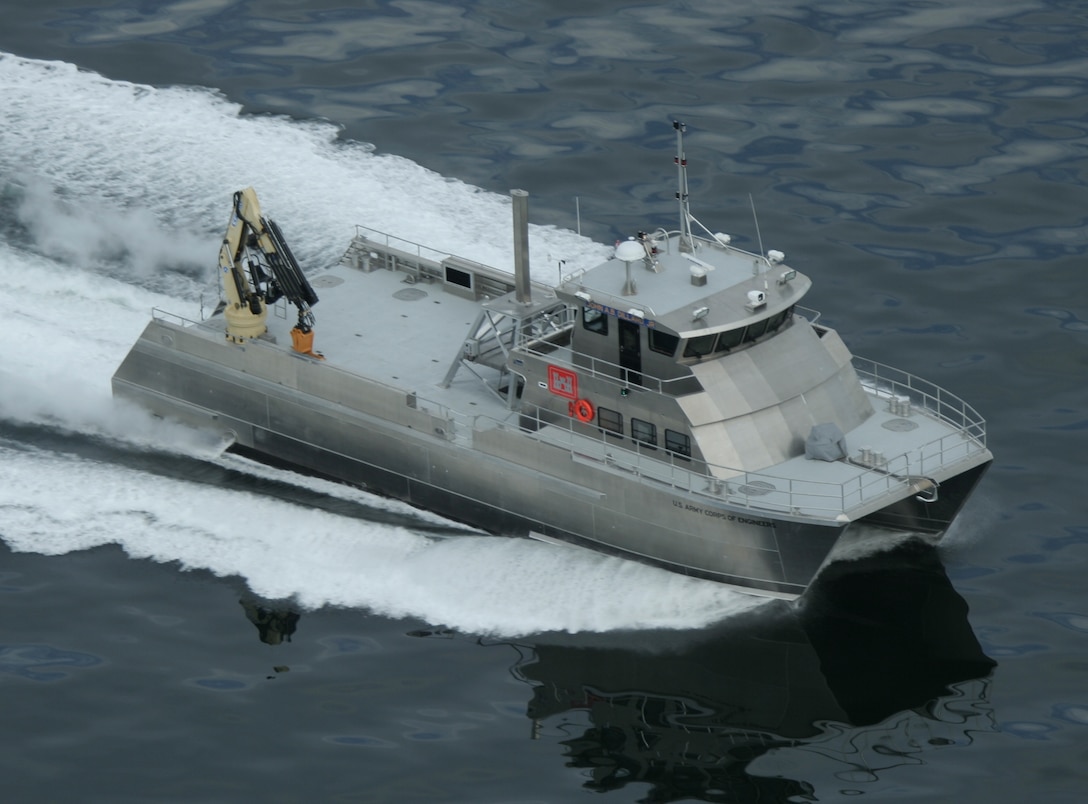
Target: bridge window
[756, 330]
[779, 319]
[663, 342]
[732, 338]
[697, 347]
[594, 321]
[729, 339]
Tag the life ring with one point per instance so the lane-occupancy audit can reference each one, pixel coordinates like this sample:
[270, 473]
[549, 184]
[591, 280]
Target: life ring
[583, 411]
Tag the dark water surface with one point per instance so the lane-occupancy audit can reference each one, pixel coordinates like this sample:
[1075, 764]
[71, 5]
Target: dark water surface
[182, 627]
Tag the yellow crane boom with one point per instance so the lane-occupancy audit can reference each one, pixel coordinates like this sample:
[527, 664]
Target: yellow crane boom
[257, 268]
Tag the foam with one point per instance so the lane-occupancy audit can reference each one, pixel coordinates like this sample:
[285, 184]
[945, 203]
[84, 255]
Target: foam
[54, 504]
[128, 182]
[178, 153]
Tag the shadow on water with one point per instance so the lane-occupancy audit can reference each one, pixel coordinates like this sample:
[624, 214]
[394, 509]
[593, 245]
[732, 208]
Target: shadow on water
[873, 639]
[874, 667]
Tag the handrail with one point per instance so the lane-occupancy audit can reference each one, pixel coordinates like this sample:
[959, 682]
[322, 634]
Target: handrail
[438, 255]
[432, 260]
[759, 492]
[606, 370]
[807, 313]
[949, 408]
[159, 314]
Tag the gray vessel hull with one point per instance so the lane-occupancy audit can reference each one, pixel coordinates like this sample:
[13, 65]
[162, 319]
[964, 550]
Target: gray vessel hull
[288, 408]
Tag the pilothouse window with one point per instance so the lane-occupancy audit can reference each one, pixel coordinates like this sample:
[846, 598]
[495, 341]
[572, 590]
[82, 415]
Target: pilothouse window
[594, 321]
[729, 339]
[732, 338]
[756, 330]
[778, 320]
[697, 347]
[663, 342]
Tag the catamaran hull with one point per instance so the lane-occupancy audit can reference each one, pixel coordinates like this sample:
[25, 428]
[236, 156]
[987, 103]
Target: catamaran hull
[926, 513]
[296, 411]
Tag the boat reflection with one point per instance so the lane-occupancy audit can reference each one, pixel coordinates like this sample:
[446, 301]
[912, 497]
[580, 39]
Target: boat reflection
[879, 653]
[274, 625]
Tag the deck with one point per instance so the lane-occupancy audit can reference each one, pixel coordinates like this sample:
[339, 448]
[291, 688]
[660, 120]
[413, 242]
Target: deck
[403, 329]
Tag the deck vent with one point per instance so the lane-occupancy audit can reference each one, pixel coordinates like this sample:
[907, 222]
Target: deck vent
[455, 276]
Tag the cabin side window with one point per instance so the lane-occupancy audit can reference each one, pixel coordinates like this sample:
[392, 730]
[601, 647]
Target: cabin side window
[678, 443]
[644, 433]
[594, 321]
[663, 342]
[610, 421]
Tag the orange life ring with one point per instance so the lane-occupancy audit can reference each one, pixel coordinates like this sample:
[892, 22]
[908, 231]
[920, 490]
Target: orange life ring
[583, 411]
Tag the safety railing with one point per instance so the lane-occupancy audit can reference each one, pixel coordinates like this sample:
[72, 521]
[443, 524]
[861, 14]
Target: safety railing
[761, 493]
[159, 314]
[895, 385]
[400, 244]
[758, 492]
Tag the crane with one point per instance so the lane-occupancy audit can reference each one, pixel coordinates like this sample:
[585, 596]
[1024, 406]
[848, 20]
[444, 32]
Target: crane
[257, 269]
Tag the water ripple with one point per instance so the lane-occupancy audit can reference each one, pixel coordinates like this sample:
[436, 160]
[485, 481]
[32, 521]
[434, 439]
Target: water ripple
[43, 662]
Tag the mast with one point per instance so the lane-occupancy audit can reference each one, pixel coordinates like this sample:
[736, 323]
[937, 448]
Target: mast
[686, 242]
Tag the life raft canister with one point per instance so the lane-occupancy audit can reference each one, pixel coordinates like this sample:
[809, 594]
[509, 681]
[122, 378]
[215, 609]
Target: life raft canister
[583, 411]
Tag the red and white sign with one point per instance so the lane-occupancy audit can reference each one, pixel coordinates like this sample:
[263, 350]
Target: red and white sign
[562, 382]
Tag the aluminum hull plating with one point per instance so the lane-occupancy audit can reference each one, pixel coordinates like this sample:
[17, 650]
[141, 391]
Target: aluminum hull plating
[674, 404]
[498, 485]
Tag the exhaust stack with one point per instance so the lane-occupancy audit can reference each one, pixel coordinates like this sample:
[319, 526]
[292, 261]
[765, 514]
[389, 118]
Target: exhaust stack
[522, 282]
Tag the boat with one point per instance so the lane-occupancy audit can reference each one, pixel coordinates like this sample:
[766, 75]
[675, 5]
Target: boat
[676, 404]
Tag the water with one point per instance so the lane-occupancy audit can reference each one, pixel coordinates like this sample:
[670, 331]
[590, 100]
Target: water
[181, 626]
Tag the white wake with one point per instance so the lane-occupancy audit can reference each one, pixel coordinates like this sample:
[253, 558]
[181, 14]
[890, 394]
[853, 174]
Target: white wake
[113, 186]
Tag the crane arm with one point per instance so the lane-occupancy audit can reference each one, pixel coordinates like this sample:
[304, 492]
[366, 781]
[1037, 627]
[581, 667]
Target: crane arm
[240, 291]
[257, 268]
